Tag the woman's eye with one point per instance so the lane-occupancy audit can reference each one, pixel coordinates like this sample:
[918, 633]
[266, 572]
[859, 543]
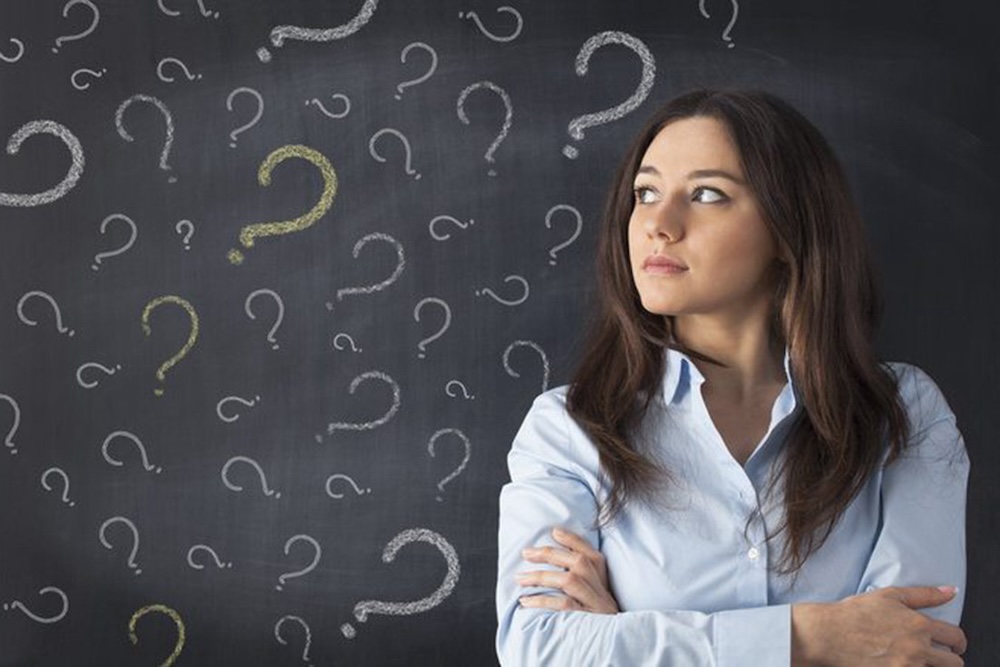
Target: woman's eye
[640, 194]
[718, 195]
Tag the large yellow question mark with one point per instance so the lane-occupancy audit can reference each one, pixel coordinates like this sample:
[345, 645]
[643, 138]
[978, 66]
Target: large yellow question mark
[164, 610]
[250, 232]
[166, 365]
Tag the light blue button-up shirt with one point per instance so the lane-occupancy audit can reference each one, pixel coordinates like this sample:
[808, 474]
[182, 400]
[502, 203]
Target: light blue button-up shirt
[693, 589]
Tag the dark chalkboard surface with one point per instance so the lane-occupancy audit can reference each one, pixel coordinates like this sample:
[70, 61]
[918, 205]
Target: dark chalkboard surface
[281, 279]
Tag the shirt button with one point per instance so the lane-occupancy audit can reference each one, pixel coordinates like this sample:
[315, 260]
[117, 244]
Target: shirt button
[753, 553]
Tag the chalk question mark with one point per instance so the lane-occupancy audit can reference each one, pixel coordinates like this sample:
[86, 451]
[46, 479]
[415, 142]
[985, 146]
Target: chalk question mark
[277, 635]
[93, 24]
[496, 38]
[17, 604]
[89, 72]
[444, 237]
[537, 348]
[257, 115]
[52, 302]
[192, 336]
[330, 114]
[65, 478]
[440, 332]
[277, 156]
[406, 148]
[465, 391]
[72, 176]
[732, 21]
[308, 568]
[271, 493]
[128, 244]
[277, 321]
[461, 466]
[13, 429]
[168, 142]
[400, 264]
[426, 75]
[358, 490]
[170, 60]
[364, 608]
[577, 125]
[237, 399]
[185, 224]
[163, 609]
[135, 538]
[489, 85]
[338, 339]
[506, 302]
[93, 364]
[281, 33]
[20, 51]
[548, 223]
[367, 426]
[204, 547]
[201, 6]
[138, 445]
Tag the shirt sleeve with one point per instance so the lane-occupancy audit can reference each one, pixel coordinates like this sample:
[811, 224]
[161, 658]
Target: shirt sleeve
[921, 541]
[551, 487]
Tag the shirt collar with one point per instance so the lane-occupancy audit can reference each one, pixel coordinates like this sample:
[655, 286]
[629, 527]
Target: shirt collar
[680, 370]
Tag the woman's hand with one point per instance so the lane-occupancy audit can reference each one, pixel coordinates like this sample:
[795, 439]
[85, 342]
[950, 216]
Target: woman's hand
[881, 627]
[585, 581]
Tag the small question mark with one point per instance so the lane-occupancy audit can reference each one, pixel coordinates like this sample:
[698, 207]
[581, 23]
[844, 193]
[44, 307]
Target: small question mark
[204, 547]
[358, 490]
[163, 609]
[201, 6]
[277, 635]
[370, 375]
[337, 340]
[426, 75]
[138, 444]
[60, 473]
[55, 307]
[281, 33]
[277, 321]
[227, 399]
[461, 466]
[306, 569]
[192, 336]
[732, 21]
[83, 70]
[364, 608]
[537, 348]
[505, 302]
[185, 224]
[326, 112]
[447, 322]
[406, 147]
[13, 429]
[20, 51]
[72, 176]
[271, 493]
[277, 156]
[93, 364]
[548, 223]
[128, 244]
[400, 264]
[456, 221]
[577, 125]
[253, 121]
[497, 38]
[17, 604]
[465, 392]
[93, 23]
[135, 538]
[123, 133]
[507, 117]
[174, 61]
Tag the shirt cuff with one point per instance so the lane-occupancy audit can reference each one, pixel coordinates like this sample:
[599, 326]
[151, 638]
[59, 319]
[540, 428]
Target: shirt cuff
[762, 635]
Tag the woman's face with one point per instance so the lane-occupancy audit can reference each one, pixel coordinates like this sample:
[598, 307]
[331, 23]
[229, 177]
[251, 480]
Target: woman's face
[706, 222]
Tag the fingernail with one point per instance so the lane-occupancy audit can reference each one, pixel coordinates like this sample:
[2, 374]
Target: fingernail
[951, 590]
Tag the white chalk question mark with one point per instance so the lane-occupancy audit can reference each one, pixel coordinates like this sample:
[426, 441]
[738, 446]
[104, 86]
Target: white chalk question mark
[257, 115]
[281, 33]
[422, 78]
[72, 176]
[400, 264]
[135, 539]
[358, 490]
[406, 147]
[330, 114]
[13, 429]
[370, 375]
[201, 6]
[277, 635]
[65, 478]
[489, 85]
[170, 60]
[537, 348]
[364, 608]
[204, 547]
[277, 321]
[87, 31]
[20, 51]
[89, 72]
[271, 493]
[185, 224]
[138, 444]
[732, 21]
[548, 223]
[577, 125]
[465, 391]
[444, 237]
[128, 244]
[55, 307]
[337, 342]
[498, 299]
[149, 99]
[237, 399]
[93, 364]
[497, 38]
[440, 332]
[461, 466]
[308, 568]
[17, 604]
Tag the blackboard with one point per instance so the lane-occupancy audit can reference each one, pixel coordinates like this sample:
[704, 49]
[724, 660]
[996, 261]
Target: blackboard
[289, 440]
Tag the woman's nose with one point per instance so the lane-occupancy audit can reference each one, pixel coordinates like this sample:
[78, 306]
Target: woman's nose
[664, 221]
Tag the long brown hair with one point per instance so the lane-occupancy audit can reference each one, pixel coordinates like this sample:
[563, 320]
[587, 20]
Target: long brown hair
[826, 308]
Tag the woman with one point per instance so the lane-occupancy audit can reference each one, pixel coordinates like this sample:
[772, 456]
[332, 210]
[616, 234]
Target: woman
[738, 479]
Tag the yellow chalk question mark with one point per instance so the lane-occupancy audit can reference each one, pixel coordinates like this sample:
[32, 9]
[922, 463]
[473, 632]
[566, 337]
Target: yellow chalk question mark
[166, 365]
[163, 609]
[250, 232]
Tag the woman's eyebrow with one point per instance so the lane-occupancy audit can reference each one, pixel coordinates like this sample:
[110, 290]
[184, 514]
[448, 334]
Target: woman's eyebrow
[697, 173]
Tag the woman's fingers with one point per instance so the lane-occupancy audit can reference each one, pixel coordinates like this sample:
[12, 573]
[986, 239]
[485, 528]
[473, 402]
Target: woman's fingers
[569, 582]
[557, 602]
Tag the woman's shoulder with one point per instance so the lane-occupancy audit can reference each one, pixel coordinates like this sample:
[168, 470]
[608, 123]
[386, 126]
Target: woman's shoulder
[923, 398]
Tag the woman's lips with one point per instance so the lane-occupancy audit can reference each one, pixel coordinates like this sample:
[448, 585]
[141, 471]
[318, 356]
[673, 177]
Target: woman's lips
[661, 264]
